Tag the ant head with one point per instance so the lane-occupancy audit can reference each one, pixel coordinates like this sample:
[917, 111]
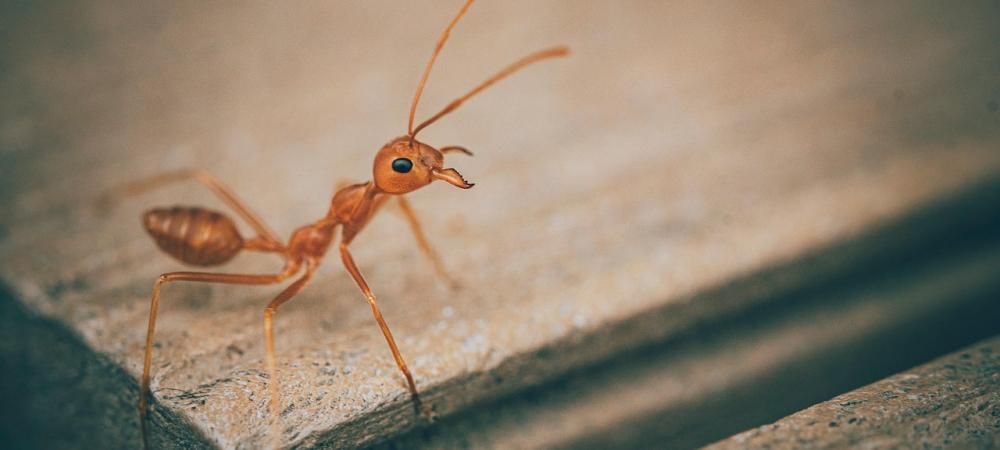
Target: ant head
[405, 165]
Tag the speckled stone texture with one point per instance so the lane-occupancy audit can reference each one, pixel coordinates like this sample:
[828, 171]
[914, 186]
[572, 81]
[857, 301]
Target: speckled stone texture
[681, 147]
[952, 402]
[730, 374]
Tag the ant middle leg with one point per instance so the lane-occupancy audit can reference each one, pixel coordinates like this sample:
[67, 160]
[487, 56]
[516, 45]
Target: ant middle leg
[205, 277]
[272, 370]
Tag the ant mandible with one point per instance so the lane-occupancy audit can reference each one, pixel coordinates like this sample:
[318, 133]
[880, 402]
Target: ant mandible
[201, 237]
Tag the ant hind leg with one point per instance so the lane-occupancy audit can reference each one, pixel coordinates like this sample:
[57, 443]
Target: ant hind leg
[208, 180]
[204, 277]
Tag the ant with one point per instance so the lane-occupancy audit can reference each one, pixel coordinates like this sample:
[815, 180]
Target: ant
[202, 237]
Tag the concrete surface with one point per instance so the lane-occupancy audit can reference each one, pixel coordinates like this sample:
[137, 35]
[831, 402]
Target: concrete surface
[952, 402]
[683, 145]
[803, 345]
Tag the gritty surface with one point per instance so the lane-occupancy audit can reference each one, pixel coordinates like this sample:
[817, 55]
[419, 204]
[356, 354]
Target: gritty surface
[953, 402]
[724, 379]
[680, 146]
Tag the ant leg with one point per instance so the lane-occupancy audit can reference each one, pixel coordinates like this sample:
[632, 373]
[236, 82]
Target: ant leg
[425, 246]
[272, 308]
[147, 359]
[345, 255]
[211, 182]
[455, 148]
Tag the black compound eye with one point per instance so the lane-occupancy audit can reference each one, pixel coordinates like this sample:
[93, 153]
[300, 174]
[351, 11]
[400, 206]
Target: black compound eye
[402, 165]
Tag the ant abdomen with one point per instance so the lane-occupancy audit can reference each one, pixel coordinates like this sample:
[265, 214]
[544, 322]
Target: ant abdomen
[193, 235]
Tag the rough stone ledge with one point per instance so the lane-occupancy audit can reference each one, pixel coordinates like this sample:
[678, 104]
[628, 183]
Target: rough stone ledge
[798, 344]
[61, 394]
[952, 402]
[51, 367]
[700, 166]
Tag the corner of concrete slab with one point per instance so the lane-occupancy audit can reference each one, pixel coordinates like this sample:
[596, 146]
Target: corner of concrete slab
[60, 394]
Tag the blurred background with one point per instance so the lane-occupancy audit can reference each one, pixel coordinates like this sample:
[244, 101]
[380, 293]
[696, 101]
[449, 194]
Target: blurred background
[712, 215]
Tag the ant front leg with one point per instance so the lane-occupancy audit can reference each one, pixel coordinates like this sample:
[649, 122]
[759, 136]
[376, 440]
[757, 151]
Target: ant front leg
[345, 256]
[425, 246]
[147, 359]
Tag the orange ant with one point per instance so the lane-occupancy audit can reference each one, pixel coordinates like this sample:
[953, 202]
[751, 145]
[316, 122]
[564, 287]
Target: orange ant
[201, 237]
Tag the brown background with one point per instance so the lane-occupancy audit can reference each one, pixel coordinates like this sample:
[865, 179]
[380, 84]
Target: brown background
[683, 144]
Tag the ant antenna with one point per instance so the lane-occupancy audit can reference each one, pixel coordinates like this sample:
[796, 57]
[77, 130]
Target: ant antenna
[507, 71]
[427, 70]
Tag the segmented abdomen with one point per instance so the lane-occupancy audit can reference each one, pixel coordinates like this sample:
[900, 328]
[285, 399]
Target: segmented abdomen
[193, 235]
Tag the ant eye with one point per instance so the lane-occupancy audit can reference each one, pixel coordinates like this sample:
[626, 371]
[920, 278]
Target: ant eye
[402, 165]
